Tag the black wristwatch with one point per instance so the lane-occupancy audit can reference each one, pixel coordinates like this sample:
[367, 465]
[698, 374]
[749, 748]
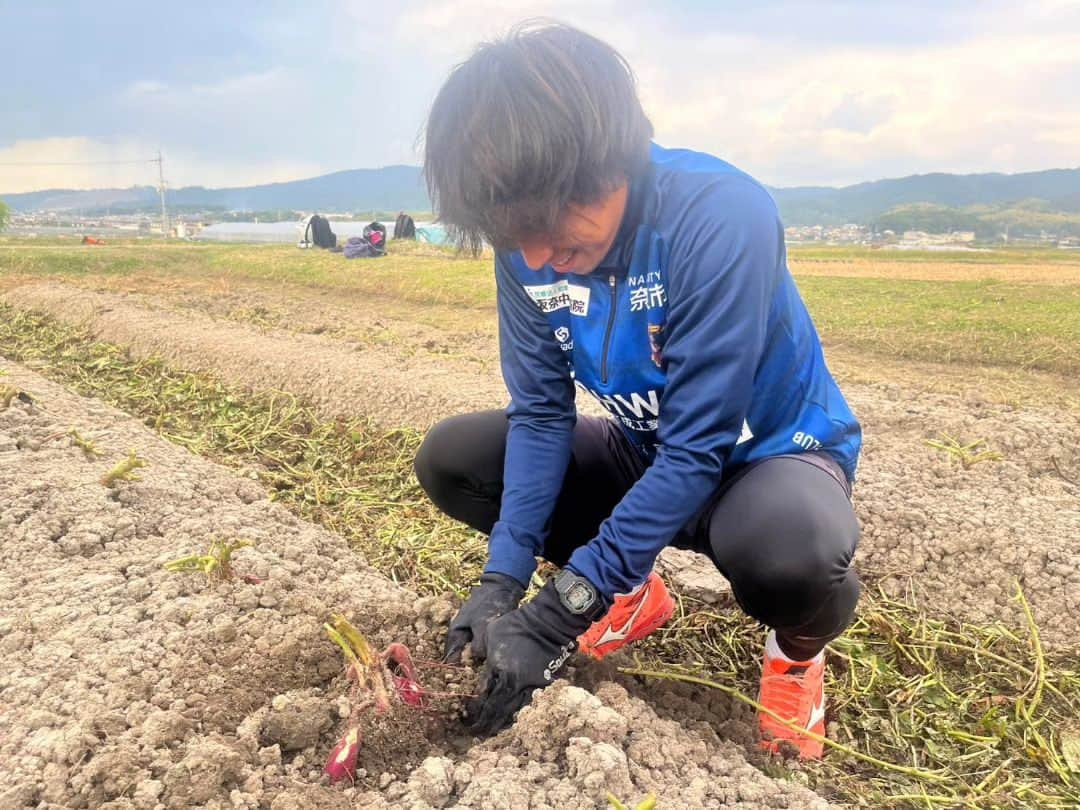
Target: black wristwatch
[578, 595]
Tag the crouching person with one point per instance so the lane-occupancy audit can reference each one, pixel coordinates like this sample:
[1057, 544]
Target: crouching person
[656, 280]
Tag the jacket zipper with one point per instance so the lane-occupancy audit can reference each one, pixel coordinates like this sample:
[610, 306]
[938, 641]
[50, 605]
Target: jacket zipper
[608, 331]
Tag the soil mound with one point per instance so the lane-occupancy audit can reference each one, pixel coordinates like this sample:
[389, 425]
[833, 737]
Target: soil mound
[392, 388]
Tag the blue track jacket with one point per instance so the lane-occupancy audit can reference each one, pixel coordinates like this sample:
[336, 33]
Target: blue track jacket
[692, 335]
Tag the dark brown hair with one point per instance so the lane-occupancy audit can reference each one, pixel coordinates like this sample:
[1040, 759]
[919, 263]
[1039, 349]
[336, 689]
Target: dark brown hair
[544, 116]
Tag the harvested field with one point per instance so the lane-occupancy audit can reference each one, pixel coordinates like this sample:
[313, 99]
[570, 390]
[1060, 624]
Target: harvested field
[948, 534]
[1007, 341]
[1042, 273]
[958, 536]
[127, 686]
[387, 386]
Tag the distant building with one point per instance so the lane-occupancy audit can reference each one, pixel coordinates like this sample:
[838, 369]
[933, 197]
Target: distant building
[849, 234]
[922, 238]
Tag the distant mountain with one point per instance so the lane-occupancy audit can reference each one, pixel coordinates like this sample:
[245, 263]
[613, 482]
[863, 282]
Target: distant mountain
[70, 200]
[387, 189]
[401, 187]
[1025, 219]
[866, 202]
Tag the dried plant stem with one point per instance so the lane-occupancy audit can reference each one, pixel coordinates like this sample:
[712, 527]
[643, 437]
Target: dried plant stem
[84, 444]
[929, 776]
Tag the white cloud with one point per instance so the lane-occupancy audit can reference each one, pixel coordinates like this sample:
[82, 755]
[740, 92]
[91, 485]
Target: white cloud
[145, 87]
[795, 113]
[31, 175]
[993, 88]
[969, 107]
[133, 166]
[452, 28]
[224, 98]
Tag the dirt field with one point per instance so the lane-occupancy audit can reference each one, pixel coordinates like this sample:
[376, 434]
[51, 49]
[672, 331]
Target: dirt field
[128, 685]
[959, 537]
[1043, 273]
[125, 686]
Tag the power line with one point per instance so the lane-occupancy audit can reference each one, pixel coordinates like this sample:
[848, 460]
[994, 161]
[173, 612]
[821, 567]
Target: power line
[79, 163]
[161, 191]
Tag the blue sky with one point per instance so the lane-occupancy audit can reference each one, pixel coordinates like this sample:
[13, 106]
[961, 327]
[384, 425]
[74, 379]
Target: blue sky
[795, 92]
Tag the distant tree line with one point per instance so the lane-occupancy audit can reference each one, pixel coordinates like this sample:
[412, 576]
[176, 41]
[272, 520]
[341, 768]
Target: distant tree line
[269, 215]
[3, 216]
[390, 216]
[988, 222]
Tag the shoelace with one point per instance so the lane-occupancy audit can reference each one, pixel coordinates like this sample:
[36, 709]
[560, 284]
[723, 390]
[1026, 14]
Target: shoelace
[784, 694]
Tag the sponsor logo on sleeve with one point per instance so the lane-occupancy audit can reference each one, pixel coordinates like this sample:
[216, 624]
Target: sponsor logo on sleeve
[558, 295]
[550, 297]
[579, 300]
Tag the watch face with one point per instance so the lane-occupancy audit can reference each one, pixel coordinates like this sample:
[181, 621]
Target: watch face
[579, 597]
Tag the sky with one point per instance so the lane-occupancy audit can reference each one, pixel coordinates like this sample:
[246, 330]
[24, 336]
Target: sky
[796, 93]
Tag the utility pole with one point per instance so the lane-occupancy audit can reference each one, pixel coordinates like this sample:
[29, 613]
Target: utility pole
[161, 194]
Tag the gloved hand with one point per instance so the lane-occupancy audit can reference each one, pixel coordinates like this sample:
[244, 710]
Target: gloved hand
[526, 649]
[495, 595]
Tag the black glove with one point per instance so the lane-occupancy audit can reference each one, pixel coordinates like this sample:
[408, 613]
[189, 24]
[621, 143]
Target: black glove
[495, 595]
[526, 649]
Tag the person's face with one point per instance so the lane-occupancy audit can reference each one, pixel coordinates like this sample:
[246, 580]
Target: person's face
[582, 238]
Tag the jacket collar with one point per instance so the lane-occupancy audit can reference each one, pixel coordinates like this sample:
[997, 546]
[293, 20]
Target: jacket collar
[620, 253]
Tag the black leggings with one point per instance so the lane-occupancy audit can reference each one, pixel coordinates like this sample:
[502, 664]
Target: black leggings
[781, 530]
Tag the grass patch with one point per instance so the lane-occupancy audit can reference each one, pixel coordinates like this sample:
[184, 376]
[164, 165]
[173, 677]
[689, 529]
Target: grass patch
[1029, 326]
[1000, 255]
[415, 273]
[924, 712]
[410, 272]
[110, 260]
[982, 709]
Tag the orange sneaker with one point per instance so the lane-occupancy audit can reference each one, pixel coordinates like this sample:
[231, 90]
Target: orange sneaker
[795, 690]
[631, 617]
